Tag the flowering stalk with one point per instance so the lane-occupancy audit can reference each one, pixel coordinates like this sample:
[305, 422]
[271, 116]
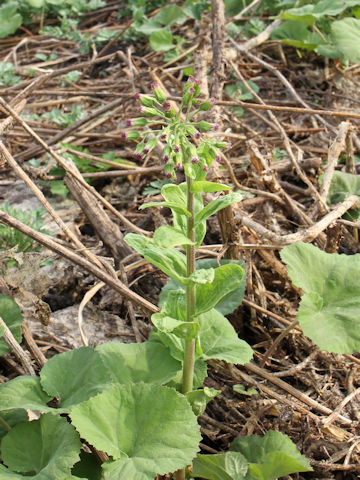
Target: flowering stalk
[185, 149]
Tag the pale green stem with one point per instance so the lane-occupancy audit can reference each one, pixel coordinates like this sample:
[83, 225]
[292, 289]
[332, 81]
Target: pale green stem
[189, 349]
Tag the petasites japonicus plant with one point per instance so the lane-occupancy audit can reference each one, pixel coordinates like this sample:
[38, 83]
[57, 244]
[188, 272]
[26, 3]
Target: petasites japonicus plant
[139, 403]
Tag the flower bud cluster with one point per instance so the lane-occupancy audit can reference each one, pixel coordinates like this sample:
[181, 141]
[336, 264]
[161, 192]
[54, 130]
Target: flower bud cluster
[185, 147]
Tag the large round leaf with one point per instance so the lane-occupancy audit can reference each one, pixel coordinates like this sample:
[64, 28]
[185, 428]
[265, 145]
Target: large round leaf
[24, 392]
[329, 311]
[147, 429]
[47, 447]
[75, 376]
[138, 362]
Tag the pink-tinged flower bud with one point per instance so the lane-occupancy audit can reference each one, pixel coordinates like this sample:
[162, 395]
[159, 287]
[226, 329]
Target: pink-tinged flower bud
[168, 175]
[218, 158]
[163, 137]
[179, 166]
[176, 148]
[154, 85]
[137, 156]
[195, 160]
[151, 144]
[205, 168]
[166, 158]
[197, 135]
[146, 100]
[137, 122]
[191, 90]
[192, 79]
[132, 135]
[228, 145]
[167, 106]
[150, 112]
[170, 111]
[214, 127]
[205, 105]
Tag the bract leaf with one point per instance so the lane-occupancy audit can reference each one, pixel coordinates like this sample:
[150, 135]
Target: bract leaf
[171, 325]
[12, 316]
[227, 278]
[174, 206]
[147, 429]
[217, 339]
[207, 187]
[271, 456]
[217, 205]
[167, 237]
[175, 305]
[203, 275]
[224, 466]
[74, 376]
[49, 446]
[169, 260]
[177, 194]
[138, 362]
[227, 304]
[328, 311]
[26, 393]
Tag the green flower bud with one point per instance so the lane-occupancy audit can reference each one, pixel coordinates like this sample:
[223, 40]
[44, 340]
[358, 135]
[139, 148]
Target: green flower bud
[158, 92]
[137, 122]
[203, 126]
[132, 135]
[150, 112]
[146, 100]
[206, 105]
[150, 145]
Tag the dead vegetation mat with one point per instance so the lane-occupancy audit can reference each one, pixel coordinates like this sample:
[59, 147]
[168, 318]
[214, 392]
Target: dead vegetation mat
[303, 122]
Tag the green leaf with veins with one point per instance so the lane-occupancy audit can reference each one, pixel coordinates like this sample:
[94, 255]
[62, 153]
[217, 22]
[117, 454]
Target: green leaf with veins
[224, 466]
[48, 447]
[59, 379]
[271, 456]
[227, 278]
[217, 205]
[147, 429]
[168, 260]
[167, 237]
[328, 311]
[138, 362]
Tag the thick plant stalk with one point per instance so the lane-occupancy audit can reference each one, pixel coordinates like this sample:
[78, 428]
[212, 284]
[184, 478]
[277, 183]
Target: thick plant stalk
[188, 365]
[189, 349]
